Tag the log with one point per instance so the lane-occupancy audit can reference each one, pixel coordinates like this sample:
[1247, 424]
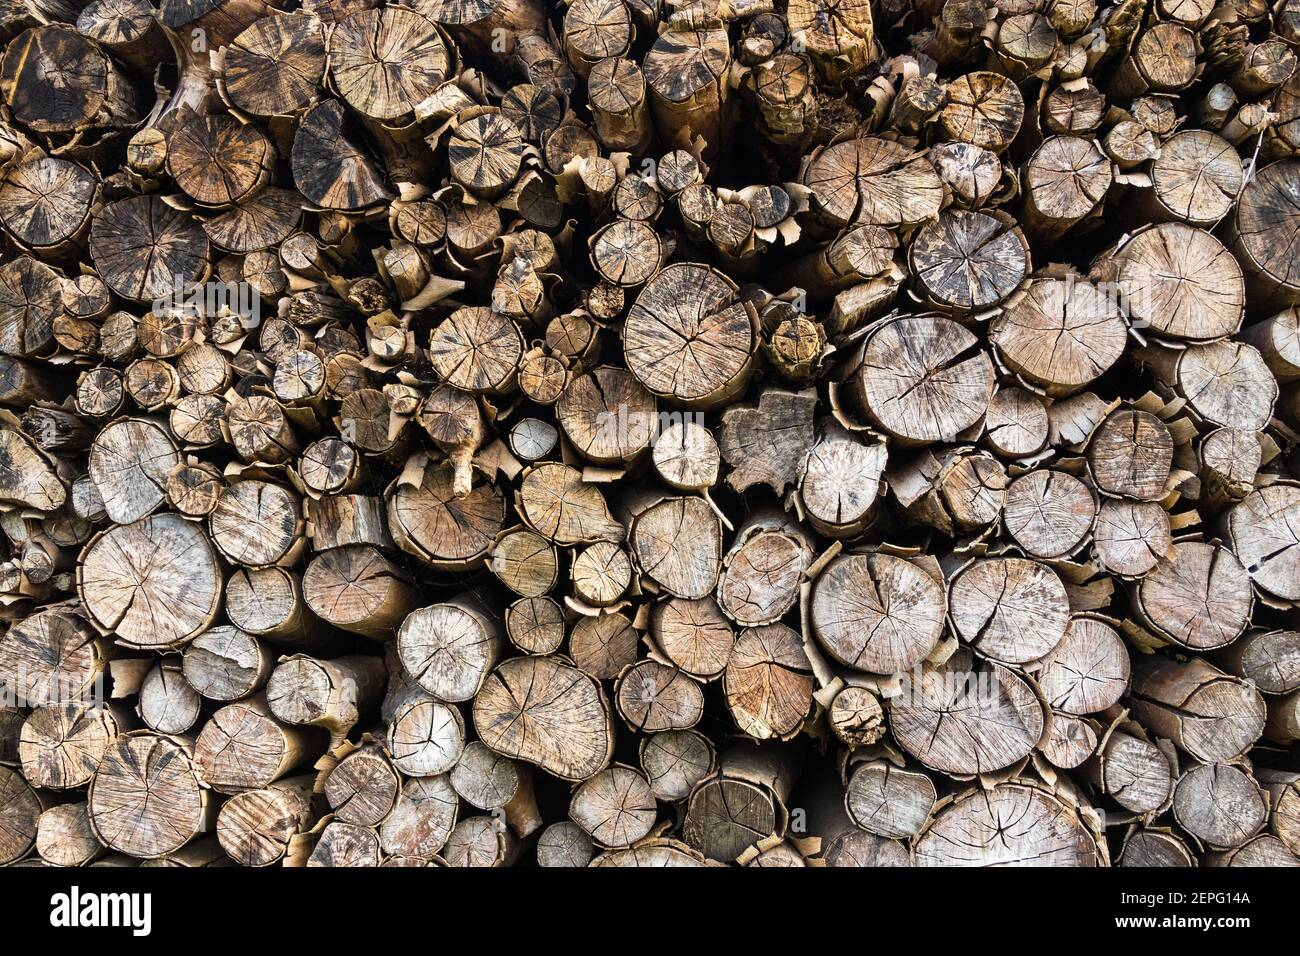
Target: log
[145, 798]
[243, 747]
[258, 827]
[1048, 831]
[1209, 714]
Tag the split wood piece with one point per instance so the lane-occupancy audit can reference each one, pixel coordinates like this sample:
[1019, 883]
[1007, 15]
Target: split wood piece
[22, 383]
[1284, 791]
[259, 827]
[325, 693]
[922, 379]
[967, 717]
[1048, 831]
[154, 584]
[1220, 805]
[545, 712]
[329, 168]
[974, 175]
[855, 256]
[1211, 715]
[843, 843]
[146, 798]
[226, 664]
[51, 657]
[129, 463]
[243, 747]
[450, 647]
[340, 520]
[27, 479]
[1283, 725]
[1278, 340]
[1198, 597]
[965, 492]
[357, 589]
[1063, 334]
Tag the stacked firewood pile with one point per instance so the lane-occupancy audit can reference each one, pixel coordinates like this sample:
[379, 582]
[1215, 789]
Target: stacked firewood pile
[650, 432]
